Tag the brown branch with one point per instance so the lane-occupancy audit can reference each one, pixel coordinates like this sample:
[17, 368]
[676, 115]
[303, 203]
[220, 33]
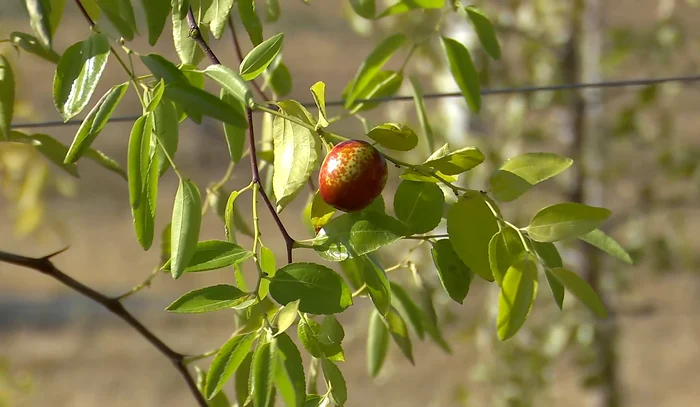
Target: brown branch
[197, 37]
[239, 52]
[113, 305]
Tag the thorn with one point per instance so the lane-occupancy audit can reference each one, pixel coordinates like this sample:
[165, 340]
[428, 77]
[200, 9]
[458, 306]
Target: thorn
[52, 255]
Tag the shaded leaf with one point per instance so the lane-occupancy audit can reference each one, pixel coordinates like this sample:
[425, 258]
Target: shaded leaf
[408, 309]
[521, 173]
[121, 15]
[399, 333]
[422, 113]
[335, 381]
[7, 97]
[454, 275]
[377, 343]
[213, 255]
[581, 290]
[230, 81]
[377, 283]
[251, 21]
[463, 72]
[406, 5]
[364, 8]
[289, 373]
[319, 289]
[601, 240]
[484, 30]
[203, 103]
[217, 15]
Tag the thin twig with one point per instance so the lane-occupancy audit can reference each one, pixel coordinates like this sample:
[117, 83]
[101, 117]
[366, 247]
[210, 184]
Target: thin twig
[288, 240]
[239, 53]
[113, 305]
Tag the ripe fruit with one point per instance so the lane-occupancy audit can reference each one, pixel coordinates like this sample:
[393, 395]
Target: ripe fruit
[352, 175]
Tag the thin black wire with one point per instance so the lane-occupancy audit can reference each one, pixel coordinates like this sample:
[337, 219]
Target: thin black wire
[484, 92]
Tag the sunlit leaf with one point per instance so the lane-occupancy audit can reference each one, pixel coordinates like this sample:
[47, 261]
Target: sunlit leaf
[260, 57]
[394, 136]
[77, 74]
[321, 212]
[505, 248]
[217, 15]
[521, 173]
[517, 294]
[186, 222]
[318, 91]
[419, 205]
[372, 64]
[263, 373]
[601, 240]
[7, 97]
[227, 360]
[208, 299]
[565, 220]
[251, 21]
[289, 373]
[455, 162]
[139, 146]
[319, 289]
[213, 255]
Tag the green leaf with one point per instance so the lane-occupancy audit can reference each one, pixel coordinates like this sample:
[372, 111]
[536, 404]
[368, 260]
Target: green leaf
[517, 294]
[411, 175]
[463, 72]
[242, 380]
[399, 333]
[281, 80]
[352, 270]
[521, 173]
[601, 240]
[287, 315]
[372, 64]
[581, 290]
[154, 95]
[470, 226]
[31, 44]
[319, 289]
[139, 146]
[219, 400]
[565, 221]
[263, 373]
[318, 91]
[235, 136]
[484, 30]
[549, 255]
[556, 287]
[204, 103]
[95, 121]
[251, 21]
[289, 373]
[455, 162]
[505, 248]
[49, 147]
[7, 97]
[227, 360]
[321, 212]
[105, 162]
[77, 74]
[383, 84]
[331, 331]
[419, 205]
[121, 15]
[394, 136]
[404, 6]
[163, 69]
[217, 15]
[268, 266]
[422, 113]
[230, 81]
[213, 255]
[229, 219]
[297, 154]
[187, 49]
[377, 284]
[364, 8]
[40, 12]
[408, 309]
[156, 14]
[208, 299]
[335, 381]
[454, 275]
[357, 233]
[377, 343]
[186, 222]
[166, 130]
[260, 57]
[180, 8]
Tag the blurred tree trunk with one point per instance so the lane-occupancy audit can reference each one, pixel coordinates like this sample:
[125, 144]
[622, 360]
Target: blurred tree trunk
[584, 65]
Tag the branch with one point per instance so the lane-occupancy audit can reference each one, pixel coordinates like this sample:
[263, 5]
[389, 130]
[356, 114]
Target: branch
[113, 305]
[197, 37]
[239, 52]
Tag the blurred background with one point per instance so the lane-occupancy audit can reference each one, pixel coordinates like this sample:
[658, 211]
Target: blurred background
[636, 151]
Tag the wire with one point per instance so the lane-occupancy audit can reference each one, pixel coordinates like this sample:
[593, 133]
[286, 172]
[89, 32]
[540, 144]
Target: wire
[484, 92]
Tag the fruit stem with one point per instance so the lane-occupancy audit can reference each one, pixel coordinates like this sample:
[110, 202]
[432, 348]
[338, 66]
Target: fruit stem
[415, 168]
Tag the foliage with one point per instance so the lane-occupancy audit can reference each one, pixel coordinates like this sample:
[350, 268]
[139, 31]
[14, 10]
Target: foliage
[479, 241]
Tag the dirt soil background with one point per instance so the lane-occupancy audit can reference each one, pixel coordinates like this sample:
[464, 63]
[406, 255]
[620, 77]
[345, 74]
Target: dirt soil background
[80, 356]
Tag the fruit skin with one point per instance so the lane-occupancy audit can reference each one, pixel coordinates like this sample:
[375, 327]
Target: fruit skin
[352, 175]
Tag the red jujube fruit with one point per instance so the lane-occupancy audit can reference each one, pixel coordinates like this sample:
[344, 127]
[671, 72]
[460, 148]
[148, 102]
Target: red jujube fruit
[352, 175]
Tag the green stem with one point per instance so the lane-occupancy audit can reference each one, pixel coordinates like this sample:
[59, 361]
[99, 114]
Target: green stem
[146, 283]
[428, 237]
[360, 290]
[189, 359]
[284, 116]
[431, 173]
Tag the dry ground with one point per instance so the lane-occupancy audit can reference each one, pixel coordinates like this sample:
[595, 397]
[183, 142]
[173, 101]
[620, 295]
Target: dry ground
[80, 356]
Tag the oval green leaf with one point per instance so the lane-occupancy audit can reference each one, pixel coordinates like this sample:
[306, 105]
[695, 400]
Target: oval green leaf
[455, 162]
[251, 21]
[260, 57]
[377, 343]
[364, 8]
[377, 283]
[470, 226]
[335, 381]
[208, 299]
[516, 297]
[565, 221]
[226, 362]
[419, 205]
[394, 136]
[581, 290]
[604, 242]
[372, 64]
[203, 103]
[263, 373]
[319, 289]
[230, 81]
[484, 30]
[408, 309]
[454, 275]
[137, 162]
[156, 13]
[213, 255]
[77, 74]
[94, 122]
[505, 248]
[289, 373]
[521, 173]
[186, 222]
[463, 72]
[399, 333]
